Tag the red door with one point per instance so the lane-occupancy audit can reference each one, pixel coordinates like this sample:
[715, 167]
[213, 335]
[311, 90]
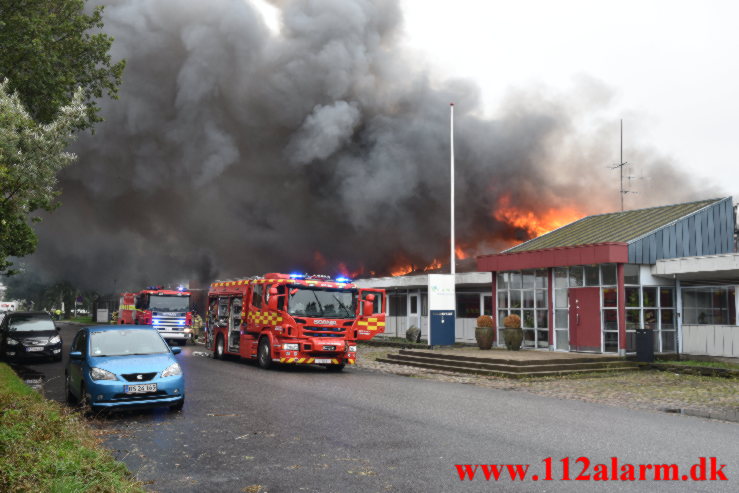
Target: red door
[585, 319]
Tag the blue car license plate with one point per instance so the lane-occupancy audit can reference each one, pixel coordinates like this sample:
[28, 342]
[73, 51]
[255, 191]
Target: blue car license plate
[140, 389]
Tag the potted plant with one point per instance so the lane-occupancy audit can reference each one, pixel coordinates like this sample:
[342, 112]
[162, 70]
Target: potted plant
[513, 333]
[484, 332]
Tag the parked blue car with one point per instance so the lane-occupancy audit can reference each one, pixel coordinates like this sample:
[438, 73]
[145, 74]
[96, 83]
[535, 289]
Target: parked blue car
[123, 366]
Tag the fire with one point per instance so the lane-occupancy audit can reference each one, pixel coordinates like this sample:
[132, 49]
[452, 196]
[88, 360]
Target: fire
[460, 253]
[402, 270]
[536, 224]
[435, 265]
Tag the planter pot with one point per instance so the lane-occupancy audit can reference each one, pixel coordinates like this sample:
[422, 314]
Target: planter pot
[484, 336]
[513, 338]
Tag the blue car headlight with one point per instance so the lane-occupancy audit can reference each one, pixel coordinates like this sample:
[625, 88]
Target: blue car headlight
[172, 370]
[100, 374]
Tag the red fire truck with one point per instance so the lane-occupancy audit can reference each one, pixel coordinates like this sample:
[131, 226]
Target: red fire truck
[293, 319]
[166, 309]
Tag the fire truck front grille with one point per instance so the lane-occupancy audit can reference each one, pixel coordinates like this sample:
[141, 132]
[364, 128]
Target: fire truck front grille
[324, 331]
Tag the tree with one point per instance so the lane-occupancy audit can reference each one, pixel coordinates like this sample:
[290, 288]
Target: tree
[48, 52]
[31, 154]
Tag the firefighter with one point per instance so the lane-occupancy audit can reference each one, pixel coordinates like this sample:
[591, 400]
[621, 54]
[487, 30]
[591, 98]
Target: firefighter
[58, 314]
[114, 317]
[197, 326]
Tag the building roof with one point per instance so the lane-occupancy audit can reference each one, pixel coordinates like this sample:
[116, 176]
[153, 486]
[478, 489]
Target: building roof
[616, 227]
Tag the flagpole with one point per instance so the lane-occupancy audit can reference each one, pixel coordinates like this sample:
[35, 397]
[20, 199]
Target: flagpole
[451, 135]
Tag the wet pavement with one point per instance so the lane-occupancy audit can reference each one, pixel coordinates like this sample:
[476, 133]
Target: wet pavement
[306, 429]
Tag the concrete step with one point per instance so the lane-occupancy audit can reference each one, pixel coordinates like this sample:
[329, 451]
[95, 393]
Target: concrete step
[499, 357]
[509, 374]
[493, 365]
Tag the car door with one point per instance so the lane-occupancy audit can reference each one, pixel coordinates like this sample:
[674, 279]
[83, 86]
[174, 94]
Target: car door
[77, 366]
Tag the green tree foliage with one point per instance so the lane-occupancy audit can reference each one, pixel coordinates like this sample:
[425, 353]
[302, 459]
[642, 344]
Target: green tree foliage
[49, 48]
[31, 154]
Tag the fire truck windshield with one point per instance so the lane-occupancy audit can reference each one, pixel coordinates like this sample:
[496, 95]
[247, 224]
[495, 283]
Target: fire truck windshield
[321, 302]
[169, 303]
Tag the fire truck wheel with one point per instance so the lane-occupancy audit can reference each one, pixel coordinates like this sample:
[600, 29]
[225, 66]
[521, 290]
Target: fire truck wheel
[218, 353]
[264, 359]
[335, 368]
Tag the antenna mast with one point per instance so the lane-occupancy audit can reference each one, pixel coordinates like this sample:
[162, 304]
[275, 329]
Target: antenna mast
[620, 167]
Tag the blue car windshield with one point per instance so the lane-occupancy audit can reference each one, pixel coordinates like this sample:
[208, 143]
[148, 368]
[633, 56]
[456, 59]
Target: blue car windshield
[126, 342]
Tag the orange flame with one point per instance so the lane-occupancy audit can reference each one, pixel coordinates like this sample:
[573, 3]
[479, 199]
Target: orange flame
[436, 264]
[402, 270]
[460, 253]
[536, 224]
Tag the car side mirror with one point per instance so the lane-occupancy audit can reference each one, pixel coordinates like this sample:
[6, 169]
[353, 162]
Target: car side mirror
[76, 355]
[176, 350]
[272, 304]
[57, 327]
[368, 307]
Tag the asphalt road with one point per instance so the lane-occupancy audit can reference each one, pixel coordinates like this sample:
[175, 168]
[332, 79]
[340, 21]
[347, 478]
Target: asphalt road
[245, 429]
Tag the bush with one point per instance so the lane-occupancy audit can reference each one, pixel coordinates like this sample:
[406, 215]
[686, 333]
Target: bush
[512, 322]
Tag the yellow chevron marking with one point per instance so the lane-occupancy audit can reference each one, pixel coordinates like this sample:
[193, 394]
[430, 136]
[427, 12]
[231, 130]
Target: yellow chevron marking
[311, 360]
[282, 360]
[351, 361]
[301, 360]
[335, 361]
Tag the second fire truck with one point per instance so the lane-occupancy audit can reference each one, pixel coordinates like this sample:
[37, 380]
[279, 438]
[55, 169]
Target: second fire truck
[167, 310]
[291, 319]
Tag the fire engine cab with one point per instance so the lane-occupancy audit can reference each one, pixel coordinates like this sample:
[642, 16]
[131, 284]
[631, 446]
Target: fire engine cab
[292, 319]
[167, 310]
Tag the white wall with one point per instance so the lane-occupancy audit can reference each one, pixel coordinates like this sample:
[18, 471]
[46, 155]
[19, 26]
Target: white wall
[711, 340]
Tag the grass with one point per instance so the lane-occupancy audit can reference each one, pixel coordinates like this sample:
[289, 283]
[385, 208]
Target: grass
[705, 364]
[45, 447]
[82, 319]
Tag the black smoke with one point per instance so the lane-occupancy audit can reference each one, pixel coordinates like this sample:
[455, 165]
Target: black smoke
[234, 150]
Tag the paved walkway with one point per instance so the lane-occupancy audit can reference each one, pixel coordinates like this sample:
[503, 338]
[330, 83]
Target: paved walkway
[647, 390]
[522, 355]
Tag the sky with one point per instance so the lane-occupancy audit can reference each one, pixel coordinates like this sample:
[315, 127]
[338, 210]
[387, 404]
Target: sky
[672, 66]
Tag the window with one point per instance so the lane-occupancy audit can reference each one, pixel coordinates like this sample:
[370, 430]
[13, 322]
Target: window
[256, 297]
[631, 274]
[468, 305]
[397, 305]
[525, 294]
[708, 306]
[608, 274]
[487, 305]
[592, 277]
[414, 304]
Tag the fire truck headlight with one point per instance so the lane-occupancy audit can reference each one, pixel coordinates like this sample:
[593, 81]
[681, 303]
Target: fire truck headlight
[155, 321]
[172, 370]
[181, 322]
[352, 349]
[290, 347]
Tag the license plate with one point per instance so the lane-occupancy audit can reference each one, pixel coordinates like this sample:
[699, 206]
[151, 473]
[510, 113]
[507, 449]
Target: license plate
[323, 361]
[329, 348]
[33, 349]
[140, 389]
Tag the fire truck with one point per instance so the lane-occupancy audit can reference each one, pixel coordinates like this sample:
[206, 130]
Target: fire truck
[168, 310]
[292, 319]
